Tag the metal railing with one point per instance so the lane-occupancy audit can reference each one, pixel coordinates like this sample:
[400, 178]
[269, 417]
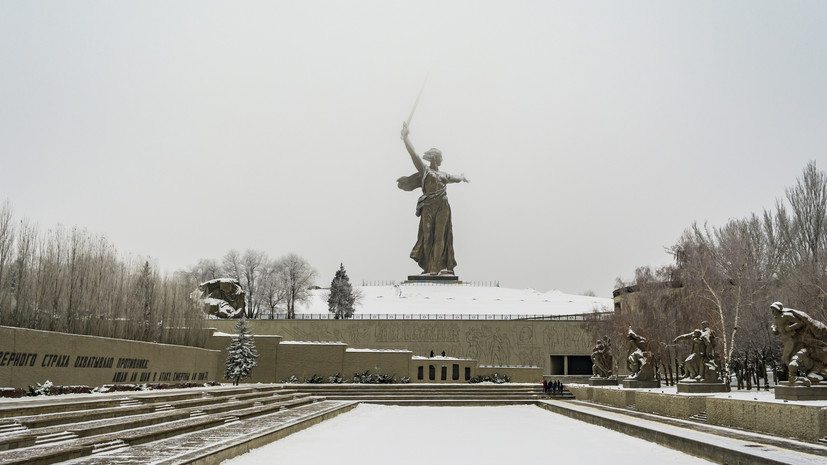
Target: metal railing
[440, 316]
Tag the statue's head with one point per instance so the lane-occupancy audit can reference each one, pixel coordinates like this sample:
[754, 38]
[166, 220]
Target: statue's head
[696, 333]
[433, 156]
[777, 308]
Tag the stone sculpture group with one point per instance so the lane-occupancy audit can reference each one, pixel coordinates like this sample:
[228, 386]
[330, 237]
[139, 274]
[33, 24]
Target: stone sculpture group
[640, 362]
[804, 342]
[804, 353]
[701, 366]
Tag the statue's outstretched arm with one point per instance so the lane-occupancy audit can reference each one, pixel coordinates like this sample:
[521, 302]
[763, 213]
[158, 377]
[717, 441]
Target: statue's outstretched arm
[453, 178]
[417, 161]
[682, 337]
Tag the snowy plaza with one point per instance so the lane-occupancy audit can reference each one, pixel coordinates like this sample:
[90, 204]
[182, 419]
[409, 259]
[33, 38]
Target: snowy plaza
[373, 434]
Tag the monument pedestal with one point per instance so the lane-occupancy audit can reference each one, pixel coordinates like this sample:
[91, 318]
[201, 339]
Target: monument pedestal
[602, 381]
[434, 278]
[793, 392]
[701, 388]
[636, 384]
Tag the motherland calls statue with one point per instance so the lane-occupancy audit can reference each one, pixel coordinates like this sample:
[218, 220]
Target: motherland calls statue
[602, 361]
[434, 248]
[640, 361]
[805, 345]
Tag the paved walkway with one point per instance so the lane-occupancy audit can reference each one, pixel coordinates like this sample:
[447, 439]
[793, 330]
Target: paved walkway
[715, 443]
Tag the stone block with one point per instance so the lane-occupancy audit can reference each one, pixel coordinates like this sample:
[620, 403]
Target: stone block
[701, 388]
[602, 382]
[815, 392]
[635, 384]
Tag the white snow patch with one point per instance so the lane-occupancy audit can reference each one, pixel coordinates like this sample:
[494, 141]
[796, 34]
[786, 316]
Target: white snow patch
[394, 351]
[322, 343]
[459, 299]
[753, 395]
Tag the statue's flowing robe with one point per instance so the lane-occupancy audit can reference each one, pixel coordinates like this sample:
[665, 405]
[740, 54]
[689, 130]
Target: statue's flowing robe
[434, 248]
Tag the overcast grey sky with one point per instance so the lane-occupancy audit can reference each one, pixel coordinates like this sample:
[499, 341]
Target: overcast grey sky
[593, 133]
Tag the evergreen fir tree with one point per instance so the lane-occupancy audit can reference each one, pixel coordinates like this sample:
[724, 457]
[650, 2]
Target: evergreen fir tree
[242, 354]
[342, 299]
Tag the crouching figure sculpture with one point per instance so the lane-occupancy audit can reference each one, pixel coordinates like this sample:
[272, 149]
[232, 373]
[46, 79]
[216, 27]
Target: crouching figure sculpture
[805, 345]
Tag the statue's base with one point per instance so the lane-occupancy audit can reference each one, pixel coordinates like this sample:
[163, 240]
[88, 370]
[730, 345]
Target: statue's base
[602, 382]
[814, 392]
[434, 278]
[635, 384]
[701, 388]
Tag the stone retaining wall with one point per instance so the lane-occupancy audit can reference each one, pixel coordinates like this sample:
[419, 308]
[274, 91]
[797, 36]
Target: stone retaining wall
[28, 357]
[807, 422]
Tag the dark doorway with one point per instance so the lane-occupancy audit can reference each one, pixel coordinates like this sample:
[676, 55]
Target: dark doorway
[558, 365]
[580, 365]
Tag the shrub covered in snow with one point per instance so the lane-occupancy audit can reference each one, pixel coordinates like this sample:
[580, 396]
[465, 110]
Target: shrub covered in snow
[315, 379]
[364, 378]
[40, 389]
[336, 379]
[494, 378]
[290, 380]
[385, 379]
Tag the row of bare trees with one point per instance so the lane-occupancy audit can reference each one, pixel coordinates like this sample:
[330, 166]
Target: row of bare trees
[271, 286]
[69, 280]
[730, 274]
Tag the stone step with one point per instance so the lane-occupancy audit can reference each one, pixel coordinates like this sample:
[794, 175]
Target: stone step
[130, 403]
[55, 437]
[823, 440]
[12, 428]
[164, 408]
[108, 446]
[699, 417]
[197, 413]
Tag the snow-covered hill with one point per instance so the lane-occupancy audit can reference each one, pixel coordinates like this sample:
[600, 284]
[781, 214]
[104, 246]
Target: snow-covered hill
[416, 299]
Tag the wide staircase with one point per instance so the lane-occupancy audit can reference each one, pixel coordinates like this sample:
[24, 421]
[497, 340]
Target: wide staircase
[181, 427]
[434, 394]
[206, 425]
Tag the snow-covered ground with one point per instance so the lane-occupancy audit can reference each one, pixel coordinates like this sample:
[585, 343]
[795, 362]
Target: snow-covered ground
[759, 395]
[460, 299]
[373, 434]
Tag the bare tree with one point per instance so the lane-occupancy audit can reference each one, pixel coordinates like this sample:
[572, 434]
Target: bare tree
[273, 290]
[296, 275]
[803, 231]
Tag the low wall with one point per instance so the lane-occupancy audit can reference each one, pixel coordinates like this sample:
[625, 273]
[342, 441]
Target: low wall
[517, 374]
[490, 342]
[806, 422]
[430, 369]
[783, 419]
[28, 357]
[305, 359]
[385, 362]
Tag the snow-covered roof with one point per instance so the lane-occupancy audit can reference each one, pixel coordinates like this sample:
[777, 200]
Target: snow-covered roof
[395, 351]
[220, 280]
[322, 343]
[460, 299]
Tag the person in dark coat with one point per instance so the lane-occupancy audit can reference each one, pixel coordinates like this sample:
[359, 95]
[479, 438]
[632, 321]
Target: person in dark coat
[545, 386]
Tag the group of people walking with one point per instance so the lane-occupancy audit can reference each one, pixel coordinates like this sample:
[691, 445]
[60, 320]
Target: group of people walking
[552, 387]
